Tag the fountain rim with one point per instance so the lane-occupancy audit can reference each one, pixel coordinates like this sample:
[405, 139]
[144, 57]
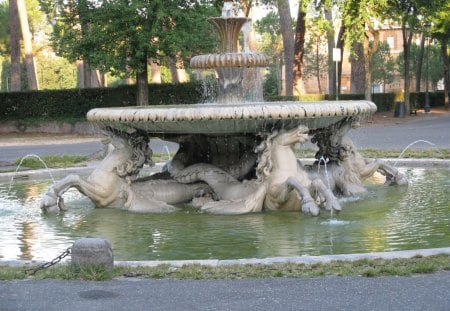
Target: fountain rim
[231, 119]
[235, 111]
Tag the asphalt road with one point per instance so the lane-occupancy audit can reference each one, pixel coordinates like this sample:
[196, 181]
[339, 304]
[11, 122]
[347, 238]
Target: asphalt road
[398, 136]
[422, 292]
[434, 130]
[9, 154]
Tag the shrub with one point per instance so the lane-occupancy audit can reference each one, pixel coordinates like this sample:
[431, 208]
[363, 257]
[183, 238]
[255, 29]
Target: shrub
[75, 103]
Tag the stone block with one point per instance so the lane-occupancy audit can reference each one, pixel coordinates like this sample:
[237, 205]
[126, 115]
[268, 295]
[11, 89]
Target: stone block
[92, 251]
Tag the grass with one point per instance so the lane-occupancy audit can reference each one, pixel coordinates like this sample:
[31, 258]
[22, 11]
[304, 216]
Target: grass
[365, 268]
[52, 161]
[76, 160]
[433, 153]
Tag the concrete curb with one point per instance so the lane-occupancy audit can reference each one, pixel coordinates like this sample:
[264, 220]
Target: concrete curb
[307, 260]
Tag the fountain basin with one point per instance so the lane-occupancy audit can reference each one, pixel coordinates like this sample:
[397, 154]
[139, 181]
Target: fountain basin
[386, 219]
[236, 118]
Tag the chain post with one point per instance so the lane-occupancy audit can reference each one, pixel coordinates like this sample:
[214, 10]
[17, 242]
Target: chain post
[48, 264]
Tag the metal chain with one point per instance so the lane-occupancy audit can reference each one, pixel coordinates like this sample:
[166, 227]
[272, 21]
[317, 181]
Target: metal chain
[50, 263]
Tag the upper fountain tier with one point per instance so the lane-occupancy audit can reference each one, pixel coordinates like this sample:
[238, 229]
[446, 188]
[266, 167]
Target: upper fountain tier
[228, 29]
[231, 114]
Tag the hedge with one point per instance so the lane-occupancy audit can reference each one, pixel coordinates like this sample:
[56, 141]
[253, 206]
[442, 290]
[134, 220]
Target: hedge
[384, 101]
[56, 104]
[75, 103]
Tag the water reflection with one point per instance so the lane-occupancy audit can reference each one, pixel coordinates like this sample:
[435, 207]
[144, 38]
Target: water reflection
[387, 218]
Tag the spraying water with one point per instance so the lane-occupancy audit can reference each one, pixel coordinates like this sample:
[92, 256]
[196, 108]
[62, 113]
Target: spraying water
[322, 160]
[20, 163]
[168, 152]
[409, 146]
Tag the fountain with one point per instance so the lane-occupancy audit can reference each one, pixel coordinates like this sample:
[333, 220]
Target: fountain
[234, 156]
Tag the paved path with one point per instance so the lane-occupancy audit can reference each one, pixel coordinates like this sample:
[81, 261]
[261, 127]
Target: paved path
[380, 134]
[421, 292]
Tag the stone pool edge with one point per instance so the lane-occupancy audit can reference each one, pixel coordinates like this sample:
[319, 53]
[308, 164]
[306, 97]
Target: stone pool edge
[261, 261]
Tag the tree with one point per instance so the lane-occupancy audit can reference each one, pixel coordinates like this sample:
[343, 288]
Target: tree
[287, 34]
[299, 47]
[271, 45]
[28, 46]
[14, 32]
[361, 19]
[121, 36]
[441, 31]
[408, 13]
[383, 69]
[316, 60]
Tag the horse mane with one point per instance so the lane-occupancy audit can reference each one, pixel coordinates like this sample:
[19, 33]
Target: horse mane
[264, 160]
[141, 153]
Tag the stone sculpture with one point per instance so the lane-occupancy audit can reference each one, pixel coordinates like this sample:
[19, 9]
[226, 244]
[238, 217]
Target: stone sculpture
[344, 168]
[114, 182]
[234, 157]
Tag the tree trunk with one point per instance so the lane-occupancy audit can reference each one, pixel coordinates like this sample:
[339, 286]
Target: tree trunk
[142, 84]
[368, 55]
[419, 63]
[288, 44]
[28, 46]
[14, 27]
[173, 70]
[340, 45]
[87, 75]
[279, 71]
[358, 75]
[179, 64]
[407, 38]
[156, 71]
[446, 73]
[299, 49]
[319, 86]
[330, 44]
[80, 74]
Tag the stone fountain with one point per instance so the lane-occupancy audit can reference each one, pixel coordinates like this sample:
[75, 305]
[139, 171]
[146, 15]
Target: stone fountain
[234, 156]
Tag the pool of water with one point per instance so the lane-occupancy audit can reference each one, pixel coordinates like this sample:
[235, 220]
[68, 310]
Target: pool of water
[386, 219]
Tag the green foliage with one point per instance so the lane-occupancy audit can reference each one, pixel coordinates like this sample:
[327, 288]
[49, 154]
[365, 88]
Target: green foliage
[118, 36]
[55, 73]
[75, 103]
[270, 84]
[436, 99]
[383, 65]
[4, 28]
[52, 161]
[315, 58]
[433, 53]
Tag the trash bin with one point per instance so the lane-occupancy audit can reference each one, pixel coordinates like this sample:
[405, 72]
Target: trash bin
[399, 109]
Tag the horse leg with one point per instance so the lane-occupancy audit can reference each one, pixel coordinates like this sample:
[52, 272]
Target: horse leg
[393, 176]
[307, 202]
[331, 202]
[52, 200]
[371, 166]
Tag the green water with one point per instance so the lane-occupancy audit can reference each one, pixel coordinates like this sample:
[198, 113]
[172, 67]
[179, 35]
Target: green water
[386, 219]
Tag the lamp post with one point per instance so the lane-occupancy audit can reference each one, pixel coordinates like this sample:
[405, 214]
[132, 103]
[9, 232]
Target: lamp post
[427, 107]
[337, 59]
